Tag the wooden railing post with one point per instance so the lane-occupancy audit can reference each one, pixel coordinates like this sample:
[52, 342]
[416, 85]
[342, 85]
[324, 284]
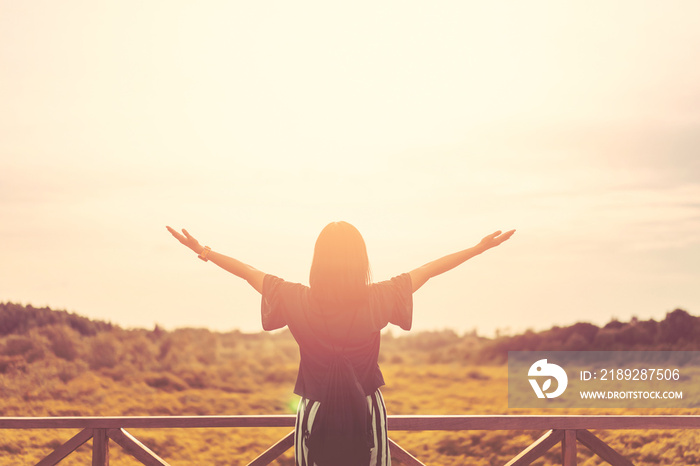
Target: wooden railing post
[100, 447]
[568, 448]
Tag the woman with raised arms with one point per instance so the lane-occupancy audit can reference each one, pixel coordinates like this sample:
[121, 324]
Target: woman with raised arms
[336, 321]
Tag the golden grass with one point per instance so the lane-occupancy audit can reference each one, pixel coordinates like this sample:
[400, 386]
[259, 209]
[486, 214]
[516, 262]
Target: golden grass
[423, 389]
[54, 371]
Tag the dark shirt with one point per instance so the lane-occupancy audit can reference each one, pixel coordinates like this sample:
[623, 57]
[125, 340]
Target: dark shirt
[322, 331]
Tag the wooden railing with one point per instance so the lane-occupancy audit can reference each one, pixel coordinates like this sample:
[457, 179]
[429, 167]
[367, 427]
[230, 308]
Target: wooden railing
[565, 430]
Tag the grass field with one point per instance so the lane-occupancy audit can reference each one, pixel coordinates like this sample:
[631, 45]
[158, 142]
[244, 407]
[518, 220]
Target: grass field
[424, 389]
[56, 370]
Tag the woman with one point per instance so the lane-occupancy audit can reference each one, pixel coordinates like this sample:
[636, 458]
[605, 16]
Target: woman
[336, 322]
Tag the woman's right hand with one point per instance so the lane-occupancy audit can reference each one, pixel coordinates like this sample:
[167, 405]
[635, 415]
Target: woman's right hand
[186, 239]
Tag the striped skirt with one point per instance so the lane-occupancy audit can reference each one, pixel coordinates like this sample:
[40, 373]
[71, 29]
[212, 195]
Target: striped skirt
[306, 414]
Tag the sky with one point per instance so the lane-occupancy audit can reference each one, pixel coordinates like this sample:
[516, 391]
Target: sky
[427, 125]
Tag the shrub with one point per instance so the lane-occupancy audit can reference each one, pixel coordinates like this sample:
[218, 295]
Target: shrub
[62, 341]
[17, 345]
[166, 382]
[7, 363]
[67, 371]
[103, 352]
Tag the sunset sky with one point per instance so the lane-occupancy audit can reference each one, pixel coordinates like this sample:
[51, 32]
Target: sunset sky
[426, 125]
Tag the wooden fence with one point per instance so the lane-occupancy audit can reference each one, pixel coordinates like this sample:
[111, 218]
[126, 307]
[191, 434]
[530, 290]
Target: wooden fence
[568, 431]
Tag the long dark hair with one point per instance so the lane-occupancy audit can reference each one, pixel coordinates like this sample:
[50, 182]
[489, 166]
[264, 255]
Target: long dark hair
[340, 272]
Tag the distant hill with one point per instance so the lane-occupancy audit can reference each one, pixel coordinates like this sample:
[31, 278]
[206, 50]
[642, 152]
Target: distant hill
[28, 333]
[678, 331]
[18, 319]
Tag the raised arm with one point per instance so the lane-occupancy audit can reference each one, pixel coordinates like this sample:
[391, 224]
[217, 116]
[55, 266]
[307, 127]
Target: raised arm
[424, 273]
[250, 274]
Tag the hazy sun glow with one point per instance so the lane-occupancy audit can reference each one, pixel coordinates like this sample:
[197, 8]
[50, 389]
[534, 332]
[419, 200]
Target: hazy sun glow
[426, 126]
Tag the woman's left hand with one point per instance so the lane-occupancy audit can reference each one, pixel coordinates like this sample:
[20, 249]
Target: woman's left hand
[495, 239]
[186, 239]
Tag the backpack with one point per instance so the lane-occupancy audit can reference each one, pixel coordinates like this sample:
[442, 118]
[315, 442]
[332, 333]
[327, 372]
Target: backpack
[341, 434]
